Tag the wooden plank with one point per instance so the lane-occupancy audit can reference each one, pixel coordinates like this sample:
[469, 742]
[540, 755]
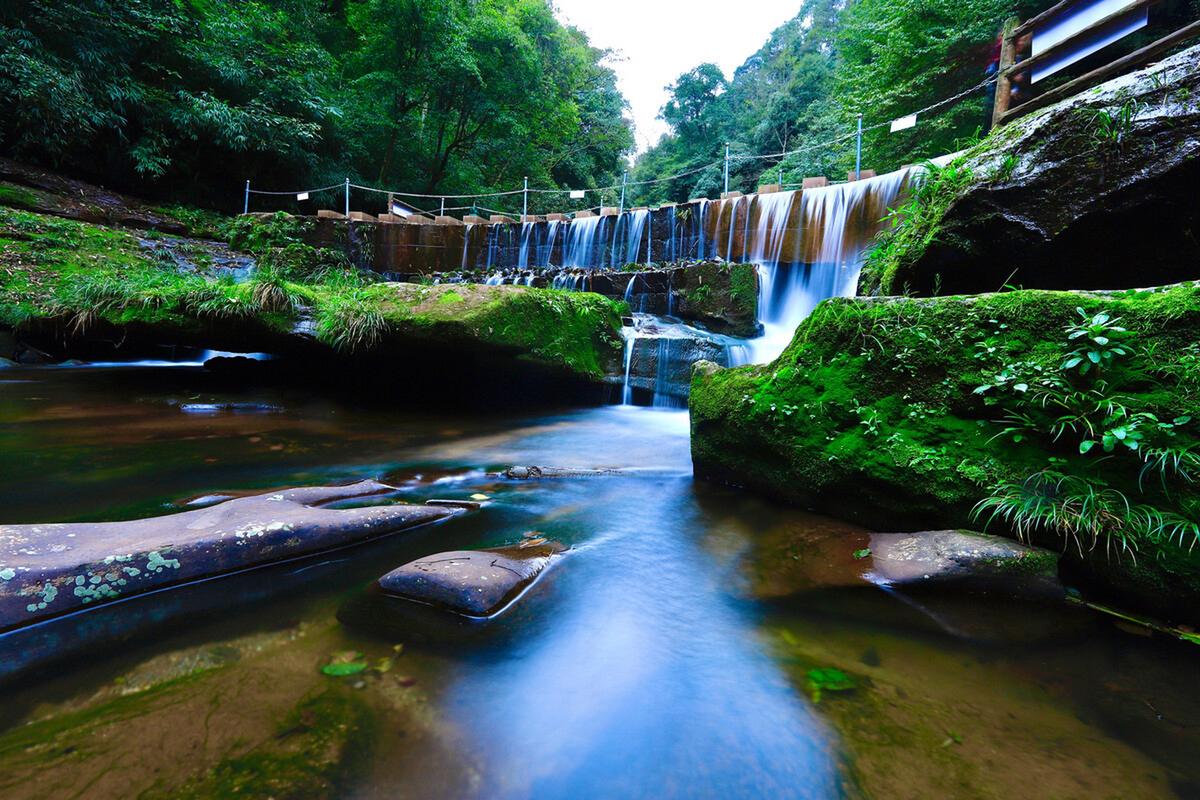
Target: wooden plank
[1049, 13]
[1047, 55]
[1100, 74]
[1008, 54]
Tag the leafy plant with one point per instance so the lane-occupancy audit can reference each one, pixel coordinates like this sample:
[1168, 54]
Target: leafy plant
[1077, 411]
[1098, 339]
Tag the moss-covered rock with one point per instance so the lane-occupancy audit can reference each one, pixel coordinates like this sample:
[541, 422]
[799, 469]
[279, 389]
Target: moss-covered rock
[722, 297]
[78, 286]
[873, 414]
[1095, 192]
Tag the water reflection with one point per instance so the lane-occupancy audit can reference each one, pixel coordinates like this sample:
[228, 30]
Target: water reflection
[665, 656]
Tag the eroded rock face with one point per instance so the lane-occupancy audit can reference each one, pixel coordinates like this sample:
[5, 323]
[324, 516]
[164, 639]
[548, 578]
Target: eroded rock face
[51, 569]
[473, 583]
[1097, 192]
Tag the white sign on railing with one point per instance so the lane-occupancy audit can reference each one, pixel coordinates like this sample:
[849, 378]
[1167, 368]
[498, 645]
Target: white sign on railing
[1079, 19]
[904, 123]
[302, 196]
[577, 194]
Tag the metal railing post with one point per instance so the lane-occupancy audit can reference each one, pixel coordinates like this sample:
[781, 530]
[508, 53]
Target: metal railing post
[347, 197]
[858, 152]
[525, 203]
[443, 207]
[624, 180]
[246, 201]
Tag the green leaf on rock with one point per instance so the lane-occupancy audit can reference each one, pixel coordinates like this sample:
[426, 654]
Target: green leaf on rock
[341, 670]
[829, 679]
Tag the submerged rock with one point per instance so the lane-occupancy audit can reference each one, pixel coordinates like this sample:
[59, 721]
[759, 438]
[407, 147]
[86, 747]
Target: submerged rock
[952, 556]
[473, 583]
[519, 473]
[50, 569]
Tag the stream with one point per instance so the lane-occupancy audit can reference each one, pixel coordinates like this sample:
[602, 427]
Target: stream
[669, 654]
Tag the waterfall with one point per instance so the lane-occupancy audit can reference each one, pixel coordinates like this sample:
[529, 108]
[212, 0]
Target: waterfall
[528, 232]
[809, 246]
[629, 334]
[629, 236]
[580, 249]
[545, 251]
[466, 243]
[701, 252]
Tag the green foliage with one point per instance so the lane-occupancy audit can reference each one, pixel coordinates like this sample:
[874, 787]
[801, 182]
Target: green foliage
[424, 95]
[351, 320]
[915, 225]
[828, 679]
[1088, 405]
[258, 234]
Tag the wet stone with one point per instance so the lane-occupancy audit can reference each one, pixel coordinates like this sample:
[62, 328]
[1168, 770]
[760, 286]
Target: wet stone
[905, 558]
[54, 568]
[473, 583]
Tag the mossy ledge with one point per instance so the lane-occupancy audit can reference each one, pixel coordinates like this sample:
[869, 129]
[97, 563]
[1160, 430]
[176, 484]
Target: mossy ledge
[872, 414]
[84, 290]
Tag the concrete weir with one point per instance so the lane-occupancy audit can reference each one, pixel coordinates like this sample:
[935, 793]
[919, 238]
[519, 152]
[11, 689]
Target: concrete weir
[803, 226]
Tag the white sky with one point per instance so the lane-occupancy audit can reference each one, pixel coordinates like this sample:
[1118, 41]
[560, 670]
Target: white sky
[654, 41]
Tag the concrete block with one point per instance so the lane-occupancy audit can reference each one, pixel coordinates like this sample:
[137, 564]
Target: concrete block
[534, 218]
[556, 217]
[361, 216]
[609, 211]
[640, 208]
[391, 218]
[584, 214]
[502, 218]
[325, 213]
[730, 195]
[815, 183]
[447, 221]
[472, 219]
[866, 173]
[770, 188]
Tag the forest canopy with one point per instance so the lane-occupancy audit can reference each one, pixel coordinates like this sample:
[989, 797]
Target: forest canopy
[189, 98]
[835, 59]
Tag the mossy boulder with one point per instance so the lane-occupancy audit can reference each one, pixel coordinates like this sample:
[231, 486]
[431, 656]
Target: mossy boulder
[873, 414]
[1095, 192]
[722, 297]
[86, 290]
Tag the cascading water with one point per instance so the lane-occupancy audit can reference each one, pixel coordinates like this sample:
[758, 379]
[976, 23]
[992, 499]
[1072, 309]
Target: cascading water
[583, 237]
[528, 234]
[809, 246]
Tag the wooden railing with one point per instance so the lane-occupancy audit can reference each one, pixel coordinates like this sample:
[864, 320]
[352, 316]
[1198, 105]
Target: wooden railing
[1011, 66]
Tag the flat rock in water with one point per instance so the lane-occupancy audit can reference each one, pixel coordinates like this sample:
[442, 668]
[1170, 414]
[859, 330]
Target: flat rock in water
[903, 558]
[519, 473]
[474, 583]
[50, 569]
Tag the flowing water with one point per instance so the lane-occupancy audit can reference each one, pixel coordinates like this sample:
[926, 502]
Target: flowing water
[668, 654]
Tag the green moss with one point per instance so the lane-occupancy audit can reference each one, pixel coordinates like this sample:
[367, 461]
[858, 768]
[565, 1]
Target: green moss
[200, 222]
[17, 196]
[871, 412]
[79, 275]
[719, 295]
[876, 398]
[257, 233]
[915, 226]
[313, 754]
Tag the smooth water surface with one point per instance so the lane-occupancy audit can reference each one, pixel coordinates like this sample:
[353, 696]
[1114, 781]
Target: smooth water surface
[668, 654]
